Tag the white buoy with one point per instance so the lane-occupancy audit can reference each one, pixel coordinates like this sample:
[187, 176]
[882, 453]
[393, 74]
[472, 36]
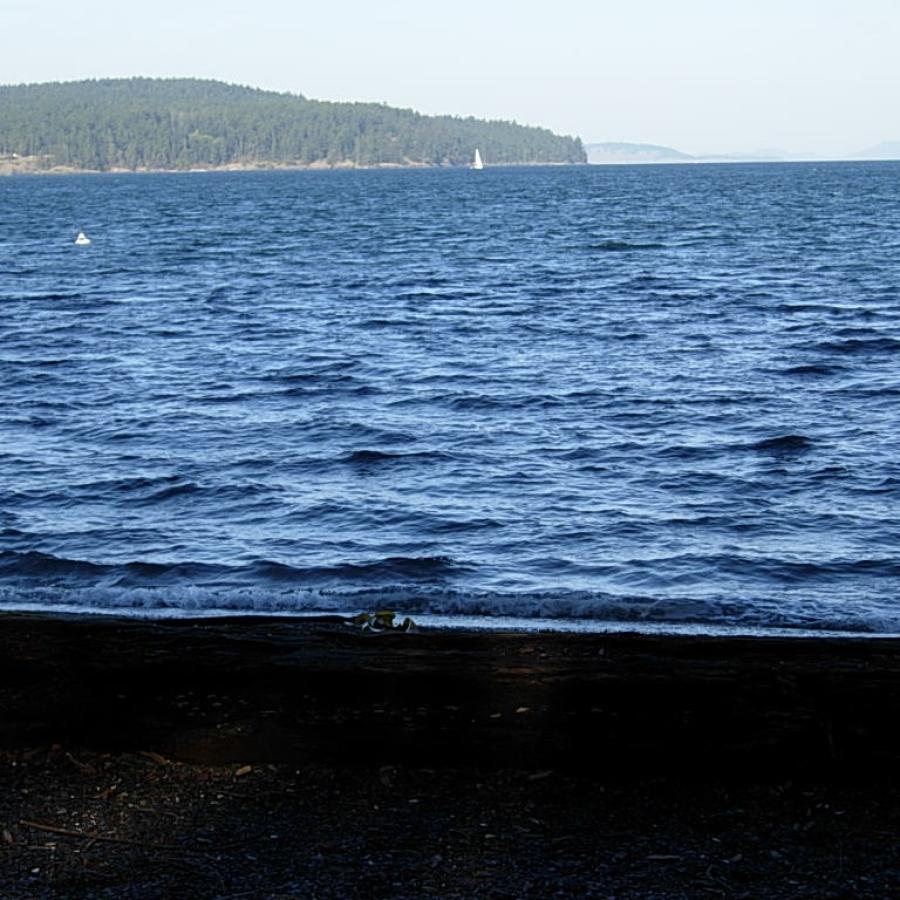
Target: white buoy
[82, 240]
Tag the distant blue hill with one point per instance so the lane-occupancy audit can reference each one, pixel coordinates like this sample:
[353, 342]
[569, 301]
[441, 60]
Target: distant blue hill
[612, 152]
[885, 150]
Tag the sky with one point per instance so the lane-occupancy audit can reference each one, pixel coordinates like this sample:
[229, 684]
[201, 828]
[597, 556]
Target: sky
[802, 77]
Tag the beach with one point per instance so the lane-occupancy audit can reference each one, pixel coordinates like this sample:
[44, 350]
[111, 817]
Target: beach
[266, 757]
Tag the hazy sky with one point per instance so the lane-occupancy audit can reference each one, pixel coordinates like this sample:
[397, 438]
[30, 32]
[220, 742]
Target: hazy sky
[700, 75]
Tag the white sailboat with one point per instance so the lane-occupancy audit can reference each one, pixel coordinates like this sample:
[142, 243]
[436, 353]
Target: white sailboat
[82, 240]
[479, 162]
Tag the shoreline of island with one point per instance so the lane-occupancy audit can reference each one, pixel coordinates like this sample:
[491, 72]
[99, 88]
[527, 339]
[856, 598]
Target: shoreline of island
[8, 170]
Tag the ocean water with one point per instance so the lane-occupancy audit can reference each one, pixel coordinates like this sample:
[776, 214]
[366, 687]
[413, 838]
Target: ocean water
[646, 396]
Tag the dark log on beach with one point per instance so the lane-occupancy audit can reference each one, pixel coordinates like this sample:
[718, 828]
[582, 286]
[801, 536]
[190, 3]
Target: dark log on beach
[282, 690]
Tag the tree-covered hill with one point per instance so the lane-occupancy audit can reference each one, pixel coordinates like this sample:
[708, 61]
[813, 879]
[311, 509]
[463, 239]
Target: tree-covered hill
[147, 123]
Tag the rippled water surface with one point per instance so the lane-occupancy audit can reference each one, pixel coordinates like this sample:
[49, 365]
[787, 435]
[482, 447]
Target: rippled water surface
[659, 394]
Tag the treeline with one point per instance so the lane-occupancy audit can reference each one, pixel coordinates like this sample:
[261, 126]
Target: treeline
[147, 123]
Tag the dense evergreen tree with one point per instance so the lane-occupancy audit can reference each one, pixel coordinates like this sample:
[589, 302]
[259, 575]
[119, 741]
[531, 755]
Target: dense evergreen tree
[146, 123]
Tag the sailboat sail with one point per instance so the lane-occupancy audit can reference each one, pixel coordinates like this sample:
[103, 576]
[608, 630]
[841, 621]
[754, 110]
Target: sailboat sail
[479, 163]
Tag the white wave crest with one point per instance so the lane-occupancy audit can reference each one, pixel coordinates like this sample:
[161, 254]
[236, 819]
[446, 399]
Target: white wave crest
[547, 609]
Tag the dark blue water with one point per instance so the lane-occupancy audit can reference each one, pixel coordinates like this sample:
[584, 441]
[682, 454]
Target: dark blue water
[660, 394]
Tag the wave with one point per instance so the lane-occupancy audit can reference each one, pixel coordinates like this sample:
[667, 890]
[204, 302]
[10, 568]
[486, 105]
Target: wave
[784, 445]
[859, 346]
[344, 384]
[48, 295]
[171, 493]
[425, 586]
[31, 564]
[705, 614]
[426, 568]
[624, 246]
[814, 369]
[374, 457]
[138, 492]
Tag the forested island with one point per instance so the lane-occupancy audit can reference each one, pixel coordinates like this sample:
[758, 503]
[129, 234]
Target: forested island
[150, 124]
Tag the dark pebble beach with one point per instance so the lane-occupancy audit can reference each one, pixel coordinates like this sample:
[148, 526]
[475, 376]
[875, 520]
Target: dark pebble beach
[264, 758]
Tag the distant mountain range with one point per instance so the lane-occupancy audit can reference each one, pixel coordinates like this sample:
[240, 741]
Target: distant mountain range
[617, 153]
[887, 150]
[612, 153]
[150, 124]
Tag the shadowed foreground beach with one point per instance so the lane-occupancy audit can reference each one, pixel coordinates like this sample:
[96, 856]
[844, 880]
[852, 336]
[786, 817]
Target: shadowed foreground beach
[298, 758]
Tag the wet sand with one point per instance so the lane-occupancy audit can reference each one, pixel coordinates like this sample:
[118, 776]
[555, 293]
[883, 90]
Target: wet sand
[276, 757]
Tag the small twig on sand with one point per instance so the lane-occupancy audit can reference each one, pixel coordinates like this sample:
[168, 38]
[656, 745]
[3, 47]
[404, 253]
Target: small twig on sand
[158, 758]
[85, 767]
